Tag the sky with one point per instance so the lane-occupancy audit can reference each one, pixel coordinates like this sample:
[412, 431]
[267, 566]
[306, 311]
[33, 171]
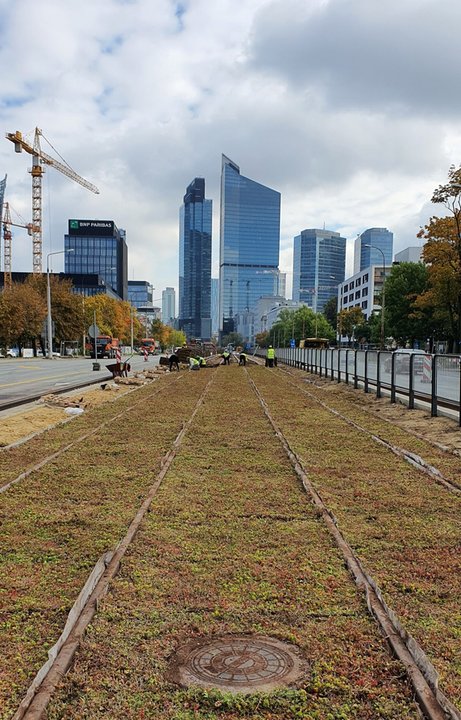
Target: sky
[351, 109]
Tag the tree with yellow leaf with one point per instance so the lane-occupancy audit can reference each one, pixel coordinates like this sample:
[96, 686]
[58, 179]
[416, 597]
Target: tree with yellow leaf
[442, 255]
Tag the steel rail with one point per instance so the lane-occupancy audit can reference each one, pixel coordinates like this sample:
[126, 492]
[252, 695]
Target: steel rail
[412, 458]
[432, 702]
[89, 433]
[33, 706]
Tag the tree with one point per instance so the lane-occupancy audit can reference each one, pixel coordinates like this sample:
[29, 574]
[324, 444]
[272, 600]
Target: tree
[262, 339]
[22, 315]
[300, 323]
[442, 255]
[405, 322]
[330, 310]
[232, 338]
[348, 320]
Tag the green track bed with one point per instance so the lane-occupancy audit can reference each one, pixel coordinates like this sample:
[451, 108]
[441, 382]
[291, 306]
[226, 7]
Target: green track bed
[232, 545]
[59, 520]
[403, 525]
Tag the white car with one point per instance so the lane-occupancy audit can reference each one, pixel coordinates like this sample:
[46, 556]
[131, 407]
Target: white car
[12, 352]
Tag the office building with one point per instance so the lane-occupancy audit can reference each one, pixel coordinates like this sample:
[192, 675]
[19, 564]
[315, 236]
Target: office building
[195, 262]
[412, 254]
[168, 306]
[82, 283]
[381, 239]
[99, 247]
[319, 261]
[140, 293]
[363, 290]
[249, 244]
[214, 307]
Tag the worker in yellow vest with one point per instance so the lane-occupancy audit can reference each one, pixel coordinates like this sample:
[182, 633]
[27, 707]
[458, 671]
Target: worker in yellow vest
[194, 364]
[270, 356]
[202, 361]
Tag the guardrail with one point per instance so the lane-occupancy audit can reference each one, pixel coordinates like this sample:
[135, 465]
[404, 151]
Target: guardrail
[419, 380]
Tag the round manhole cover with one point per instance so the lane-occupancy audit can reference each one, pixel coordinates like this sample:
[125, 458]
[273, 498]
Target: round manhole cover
[237, 663]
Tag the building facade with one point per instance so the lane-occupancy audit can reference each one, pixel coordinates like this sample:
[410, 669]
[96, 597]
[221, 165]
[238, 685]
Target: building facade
[140, 293]
[319, 265]
[370, 247]
[214, 307]
[195, 262]
[412, 254]
[249, 244]
[363, 290]
[98, 247]
[168, 306]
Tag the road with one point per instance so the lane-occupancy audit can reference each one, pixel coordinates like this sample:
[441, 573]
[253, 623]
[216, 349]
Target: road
[24, 377]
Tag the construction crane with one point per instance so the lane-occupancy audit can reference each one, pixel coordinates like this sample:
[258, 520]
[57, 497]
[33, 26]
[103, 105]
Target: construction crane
[39, 160]
[7, 238]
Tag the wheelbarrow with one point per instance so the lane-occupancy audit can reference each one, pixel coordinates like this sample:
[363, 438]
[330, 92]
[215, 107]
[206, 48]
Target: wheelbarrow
[119, 369]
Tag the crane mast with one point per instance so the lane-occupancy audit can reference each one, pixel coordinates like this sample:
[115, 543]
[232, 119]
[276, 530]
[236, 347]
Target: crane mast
[39, 159]
[7, 248]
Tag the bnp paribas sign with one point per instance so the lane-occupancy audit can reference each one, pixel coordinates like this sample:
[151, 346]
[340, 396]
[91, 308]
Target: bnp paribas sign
[91, 227]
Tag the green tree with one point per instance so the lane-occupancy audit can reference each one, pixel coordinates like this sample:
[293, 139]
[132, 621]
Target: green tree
[330, 310]
[403, 320]
[348, 320]
[232, 338]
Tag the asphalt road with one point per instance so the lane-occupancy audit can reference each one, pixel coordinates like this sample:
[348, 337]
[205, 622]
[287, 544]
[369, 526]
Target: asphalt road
[24, 377]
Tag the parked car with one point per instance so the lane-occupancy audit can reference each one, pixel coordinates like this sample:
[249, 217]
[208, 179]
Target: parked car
[12, 352]
[402, 361]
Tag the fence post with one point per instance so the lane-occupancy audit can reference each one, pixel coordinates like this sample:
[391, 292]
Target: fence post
[378, 375]
[411, 385]
[339, 365]
[355, 370]
[393, 377]
[434, 387]
[365, 372]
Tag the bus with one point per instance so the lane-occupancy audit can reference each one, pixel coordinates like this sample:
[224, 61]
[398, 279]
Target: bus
[314, 343]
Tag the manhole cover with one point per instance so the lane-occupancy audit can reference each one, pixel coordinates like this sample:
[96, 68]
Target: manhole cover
[237, 663]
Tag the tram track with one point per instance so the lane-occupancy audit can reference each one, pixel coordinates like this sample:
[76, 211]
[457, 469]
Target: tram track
[336, 519]
[411, 457]
[55, 526]
[434, 705]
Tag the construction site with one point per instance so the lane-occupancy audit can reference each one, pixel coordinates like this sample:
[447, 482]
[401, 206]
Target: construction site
[238, 542]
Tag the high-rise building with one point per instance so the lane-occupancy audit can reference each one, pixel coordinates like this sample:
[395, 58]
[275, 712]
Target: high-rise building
[140, 293]
[214, 306]
[168, 306]
[99, 247]
[195, 262]
[249, 244]
[412, 254]
[365, 256]
[319, 262]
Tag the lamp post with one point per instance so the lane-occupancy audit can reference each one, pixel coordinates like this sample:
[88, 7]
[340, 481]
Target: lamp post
[48, 300]
[383, 296]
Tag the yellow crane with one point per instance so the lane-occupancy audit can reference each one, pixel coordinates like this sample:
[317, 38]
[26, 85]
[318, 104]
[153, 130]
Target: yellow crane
[39, 160]
[7, 238]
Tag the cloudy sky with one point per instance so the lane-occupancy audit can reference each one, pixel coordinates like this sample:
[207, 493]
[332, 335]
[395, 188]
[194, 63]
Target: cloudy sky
[350, 108]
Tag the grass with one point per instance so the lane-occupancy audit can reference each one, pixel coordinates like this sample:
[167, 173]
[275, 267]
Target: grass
[403, 525]
[232, 545]
[58, 521]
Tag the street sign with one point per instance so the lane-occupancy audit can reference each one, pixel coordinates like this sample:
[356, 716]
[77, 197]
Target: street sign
[292, 343]
[93, 330]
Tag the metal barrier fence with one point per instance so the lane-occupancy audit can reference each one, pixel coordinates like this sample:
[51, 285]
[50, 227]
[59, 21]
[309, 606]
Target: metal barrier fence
[418, 380]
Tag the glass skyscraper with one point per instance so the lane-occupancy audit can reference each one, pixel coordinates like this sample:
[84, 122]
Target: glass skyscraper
[168, 306]
[140, 293]
[195, 262]
[319, 263]
[249, 244]
[365, 256]
[99, 247]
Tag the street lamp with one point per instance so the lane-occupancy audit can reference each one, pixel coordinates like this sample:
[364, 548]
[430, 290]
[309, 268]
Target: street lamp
[48, 299]
[383, 296]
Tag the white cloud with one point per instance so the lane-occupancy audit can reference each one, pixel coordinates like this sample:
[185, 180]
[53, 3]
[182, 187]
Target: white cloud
[348, 107]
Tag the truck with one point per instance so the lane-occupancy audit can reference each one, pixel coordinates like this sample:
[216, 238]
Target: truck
[147, 344]
[106, 345]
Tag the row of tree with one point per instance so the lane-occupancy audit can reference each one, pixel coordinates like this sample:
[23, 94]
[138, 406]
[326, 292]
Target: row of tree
[23, 312]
